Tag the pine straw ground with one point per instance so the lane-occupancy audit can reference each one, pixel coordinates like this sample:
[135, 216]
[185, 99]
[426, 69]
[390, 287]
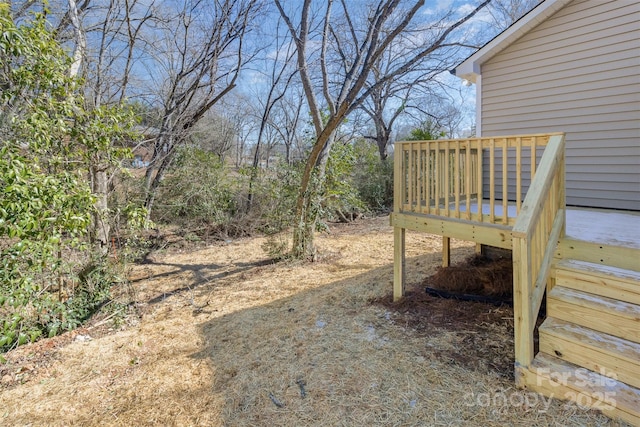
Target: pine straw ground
[228, 338]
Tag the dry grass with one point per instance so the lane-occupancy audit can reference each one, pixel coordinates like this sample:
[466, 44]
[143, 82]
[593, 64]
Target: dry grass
[229, 339]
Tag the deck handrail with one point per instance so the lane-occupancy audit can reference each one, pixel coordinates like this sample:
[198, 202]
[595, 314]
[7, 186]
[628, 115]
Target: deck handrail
[446, 178]
[539, 226]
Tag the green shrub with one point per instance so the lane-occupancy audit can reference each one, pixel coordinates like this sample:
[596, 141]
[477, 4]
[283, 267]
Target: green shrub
[49, 142]
[274, 199]
[340, 200]
[200, 191]
[373, 178]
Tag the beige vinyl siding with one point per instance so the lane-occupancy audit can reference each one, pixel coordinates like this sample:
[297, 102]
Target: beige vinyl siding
[577, 72]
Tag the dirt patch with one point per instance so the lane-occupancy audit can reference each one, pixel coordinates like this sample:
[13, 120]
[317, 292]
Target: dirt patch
[228, 338]
[483, 332]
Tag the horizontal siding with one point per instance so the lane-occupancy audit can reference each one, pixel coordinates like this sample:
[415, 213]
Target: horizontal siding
[578, 134]
[574, 85]
[551, 41]
[629, 187]
[562, 81]
[600, 94]
[591, 198]
[625, 112]
[606, 49]
[584, 22]
[577, 72]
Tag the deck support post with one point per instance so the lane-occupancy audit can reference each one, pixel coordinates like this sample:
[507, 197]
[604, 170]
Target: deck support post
[398, 263]
[446, 251]
[523, 323]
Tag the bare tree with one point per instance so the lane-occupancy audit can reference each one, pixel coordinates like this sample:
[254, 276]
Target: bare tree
[279, 75]
[216, 132]
[406, 94]
[285, 120]
[506, 12]
[343, 89]
[201, 53]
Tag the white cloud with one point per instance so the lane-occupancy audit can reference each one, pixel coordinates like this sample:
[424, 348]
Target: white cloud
[444, 4]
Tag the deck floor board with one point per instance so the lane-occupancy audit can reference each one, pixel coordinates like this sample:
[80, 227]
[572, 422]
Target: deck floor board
[613, 228]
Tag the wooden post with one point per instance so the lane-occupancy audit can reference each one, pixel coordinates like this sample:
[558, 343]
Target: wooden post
[398, 263]
[446, 251]
[523, 327]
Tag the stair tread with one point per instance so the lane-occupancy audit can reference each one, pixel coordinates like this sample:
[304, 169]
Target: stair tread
[597, 351]
[601, 303]
[599, 269]
[625, 397]
[606, 343]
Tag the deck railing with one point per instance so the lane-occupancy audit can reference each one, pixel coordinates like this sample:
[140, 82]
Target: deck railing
[452, 178]
[495, 182]
[539, 226]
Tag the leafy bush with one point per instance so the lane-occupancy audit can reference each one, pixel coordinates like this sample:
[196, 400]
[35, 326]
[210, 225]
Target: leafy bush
[208, 197]
[274, 199]
[373, 178]
[340, 199]
[49, 142]
[199, 190]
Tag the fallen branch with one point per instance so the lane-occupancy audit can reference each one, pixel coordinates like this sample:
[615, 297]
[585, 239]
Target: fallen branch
[301, 384]
[276, 401]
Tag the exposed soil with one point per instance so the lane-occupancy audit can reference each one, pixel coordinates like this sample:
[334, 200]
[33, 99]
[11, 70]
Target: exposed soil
[223, 336]
[484, 331]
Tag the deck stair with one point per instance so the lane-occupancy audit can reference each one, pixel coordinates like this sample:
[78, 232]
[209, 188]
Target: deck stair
[590, 341]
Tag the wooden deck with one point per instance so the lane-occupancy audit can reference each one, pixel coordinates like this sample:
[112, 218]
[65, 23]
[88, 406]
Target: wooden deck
[614, 228]
[586, 261]
[608, 227]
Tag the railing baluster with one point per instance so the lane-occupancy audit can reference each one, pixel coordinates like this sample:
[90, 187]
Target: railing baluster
[411, 180]
[518, 175]
[492, 180]
[456, 177]
[427, 174]
[405, 176]
[534, 156]
[398, 177]
[468, 175]
[437, 178]
[423, 185]
[447, 187]
[505, 184]
[480, 183]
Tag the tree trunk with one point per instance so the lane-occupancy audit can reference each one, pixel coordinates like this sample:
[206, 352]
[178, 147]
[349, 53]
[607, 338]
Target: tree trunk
[307, 217]
[255, 164]
[307, 205]
[100, 227]
[382, 134]
[154, 183]
[383, 142]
